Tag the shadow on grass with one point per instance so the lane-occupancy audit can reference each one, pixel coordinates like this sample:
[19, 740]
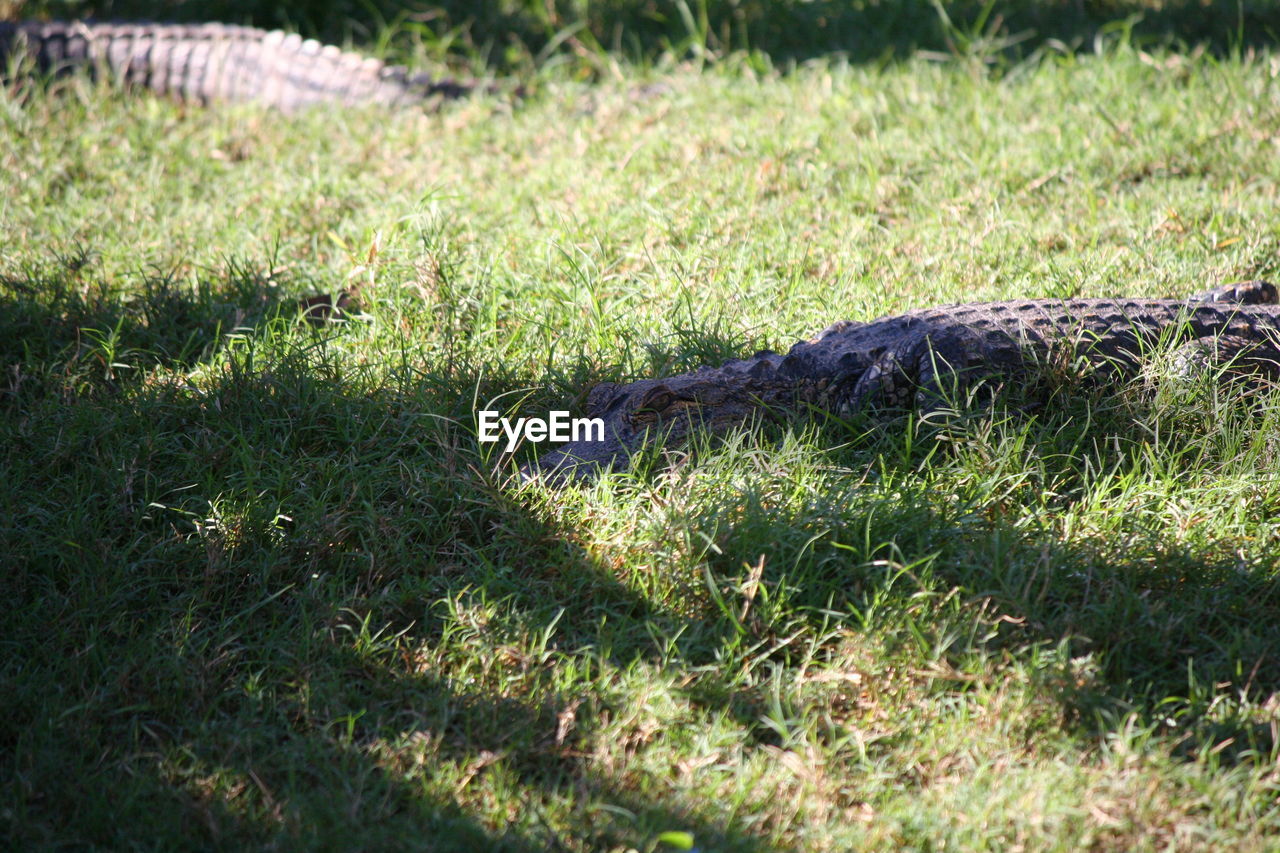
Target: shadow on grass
[285, 607]
[239, 610]
[61, 325]
[506, 31]
[1171, 620]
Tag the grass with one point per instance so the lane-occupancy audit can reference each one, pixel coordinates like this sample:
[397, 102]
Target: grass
[266, 589]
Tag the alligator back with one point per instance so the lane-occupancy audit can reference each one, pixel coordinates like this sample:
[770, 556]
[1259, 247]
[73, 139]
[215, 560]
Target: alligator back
[220, 62]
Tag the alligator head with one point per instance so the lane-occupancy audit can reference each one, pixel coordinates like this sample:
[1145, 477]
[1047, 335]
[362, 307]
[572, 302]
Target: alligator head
[889, 362]
[712, 400]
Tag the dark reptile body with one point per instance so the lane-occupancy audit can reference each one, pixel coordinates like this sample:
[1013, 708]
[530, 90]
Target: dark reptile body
[913, 358]
[221, 62]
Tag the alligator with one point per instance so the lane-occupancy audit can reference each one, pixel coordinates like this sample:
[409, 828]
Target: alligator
[924, 358]
[219, 62]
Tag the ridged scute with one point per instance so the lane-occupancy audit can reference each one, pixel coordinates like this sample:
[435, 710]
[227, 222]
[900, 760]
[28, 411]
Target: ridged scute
[221, 62]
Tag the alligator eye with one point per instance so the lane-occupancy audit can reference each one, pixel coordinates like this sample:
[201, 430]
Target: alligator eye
[657, 400]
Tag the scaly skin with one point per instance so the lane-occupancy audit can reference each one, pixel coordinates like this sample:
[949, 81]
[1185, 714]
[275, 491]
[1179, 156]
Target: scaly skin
[917, 357]
[221, 62]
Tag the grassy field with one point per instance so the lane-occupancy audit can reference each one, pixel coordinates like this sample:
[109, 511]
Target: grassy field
[264, 587]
